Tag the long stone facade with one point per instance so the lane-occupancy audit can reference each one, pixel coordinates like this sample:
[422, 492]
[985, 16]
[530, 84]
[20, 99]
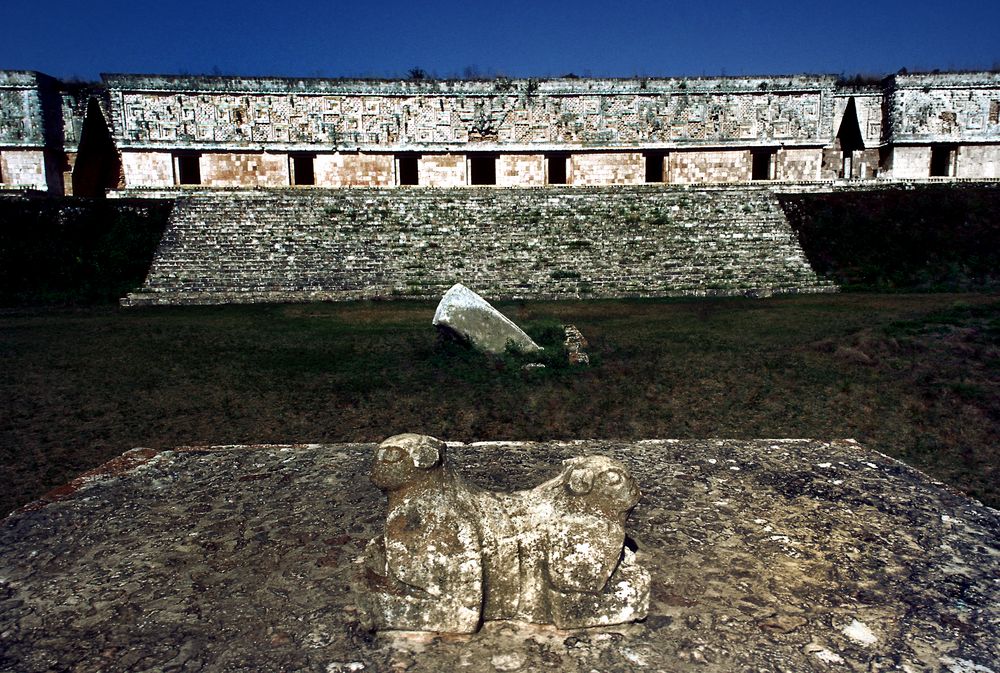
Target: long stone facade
[136, 131]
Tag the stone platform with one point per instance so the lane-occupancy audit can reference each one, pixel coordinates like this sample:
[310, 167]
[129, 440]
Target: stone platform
[789, 555]
[294, 245]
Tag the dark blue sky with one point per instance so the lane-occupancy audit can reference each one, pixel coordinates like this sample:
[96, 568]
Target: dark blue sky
[515, 37]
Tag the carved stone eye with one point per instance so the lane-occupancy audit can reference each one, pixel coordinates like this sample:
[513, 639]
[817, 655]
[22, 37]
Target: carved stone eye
[390, 454]
[580, 481]
[612, 477]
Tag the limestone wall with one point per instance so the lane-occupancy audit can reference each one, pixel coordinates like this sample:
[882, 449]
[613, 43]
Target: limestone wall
[74, 111]
[23, 168]
[360, 169]
[294, 245]
[945, 107]
[21, 117]
[524, 170]
[698, 167]
[442, 170]
[868, 105]
[706, 124]
[911, 162]
[974, 161]
[23, 132]
[40, 124]
[352, 169]
[246, 129]
[67, 173]
[867, 164]
[232, 113]
[153, 169]
[73, 102]
[798, 164]
[244, 168]
[622, 168]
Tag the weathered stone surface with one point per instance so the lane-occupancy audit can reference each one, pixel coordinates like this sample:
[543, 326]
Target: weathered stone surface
[426, 571]
[713, 120]
[560, 242]
[253, 132]
[466, 314]
[575, 344]
[765, 555]
[453, 555]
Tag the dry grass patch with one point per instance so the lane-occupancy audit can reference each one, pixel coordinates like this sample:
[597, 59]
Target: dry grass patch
[914, 376]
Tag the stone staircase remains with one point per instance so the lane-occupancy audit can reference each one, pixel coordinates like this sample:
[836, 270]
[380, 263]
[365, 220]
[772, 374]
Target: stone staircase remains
[310, 245]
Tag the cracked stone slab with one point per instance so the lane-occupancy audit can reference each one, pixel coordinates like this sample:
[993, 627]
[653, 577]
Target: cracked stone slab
[765, 555]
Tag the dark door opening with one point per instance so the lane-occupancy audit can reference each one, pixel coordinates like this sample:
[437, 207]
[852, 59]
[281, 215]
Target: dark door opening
[884, 159]
[482, 169]
[303, 169]
[556, 168]
[762, 164]
[188, 169]
[655, 162]
[98, 165]
[409, 173]
[943, 161]
[850, 138]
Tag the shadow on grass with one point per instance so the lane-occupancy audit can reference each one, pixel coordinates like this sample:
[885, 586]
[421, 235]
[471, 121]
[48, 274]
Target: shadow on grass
[914, 376]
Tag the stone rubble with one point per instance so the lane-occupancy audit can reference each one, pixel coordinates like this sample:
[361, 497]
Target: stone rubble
[575, 344]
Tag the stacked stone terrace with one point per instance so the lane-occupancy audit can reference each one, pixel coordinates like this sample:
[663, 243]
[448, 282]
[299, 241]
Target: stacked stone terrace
[287, 245]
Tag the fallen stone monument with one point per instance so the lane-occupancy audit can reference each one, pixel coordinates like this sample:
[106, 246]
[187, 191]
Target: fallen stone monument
[454, 555]
[764, 555]
[471, 318]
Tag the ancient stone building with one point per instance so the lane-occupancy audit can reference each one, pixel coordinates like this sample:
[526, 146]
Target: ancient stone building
[140, 131]
[34, 144]
[54, 135]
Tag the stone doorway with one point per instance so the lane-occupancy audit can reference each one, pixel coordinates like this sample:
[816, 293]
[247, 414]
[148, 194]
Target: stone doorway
[850, 139]
[98, 165]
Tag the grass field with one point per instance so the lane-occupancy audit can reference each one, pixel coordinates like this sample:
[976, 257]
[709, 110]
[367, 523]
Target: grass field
[914, 376]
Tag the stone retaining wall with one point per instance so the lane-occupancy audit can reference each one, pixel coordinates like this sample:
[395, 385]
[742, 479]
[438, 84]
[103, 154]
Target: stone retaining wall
[288, 245]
